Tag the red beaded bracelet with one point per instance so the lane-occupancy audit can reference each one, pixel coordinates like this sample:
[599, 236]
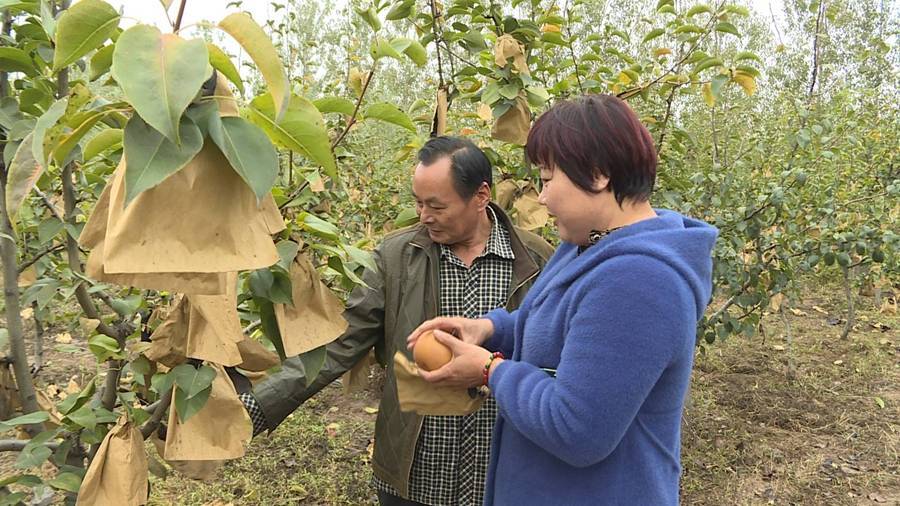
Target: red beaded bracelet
[487, 366]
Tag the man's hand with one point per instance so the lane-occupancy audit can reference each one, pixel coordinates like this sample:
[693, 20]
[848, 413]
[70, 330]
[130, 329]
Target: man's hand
[465, 369]
[471, 331]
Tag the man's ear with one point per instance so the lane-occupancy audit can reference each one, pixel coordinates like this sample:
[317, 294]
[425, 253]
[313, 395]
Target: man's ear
[483, 195]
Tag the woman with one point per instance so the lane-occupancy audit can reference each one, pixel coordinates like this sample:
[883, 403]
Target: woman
[590, 374]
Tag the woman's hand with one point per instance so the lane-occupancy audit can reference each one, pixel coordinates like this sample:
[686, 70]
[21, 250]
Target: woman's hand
[465, 369]
[466, 329]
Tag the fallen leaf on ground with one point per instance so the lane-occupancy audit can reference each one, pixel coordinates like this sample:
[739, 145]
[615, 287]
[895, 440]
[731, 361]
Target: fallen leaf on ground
[819, 310]
[798, 312]
[64, 338]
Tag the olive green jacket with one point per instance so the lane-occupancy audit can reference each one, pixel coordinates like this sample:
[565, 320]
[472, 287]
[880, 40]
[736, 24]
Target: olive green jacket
[399, 297]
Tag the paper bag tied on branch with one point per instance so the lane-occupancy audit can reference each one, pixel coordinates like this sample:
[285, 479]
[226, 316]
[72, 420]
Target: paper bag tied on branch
[508, 47]
[207, 327]
[199, 222]
[416, 394]
[513, 126]
[314, 319]
[220, 430]
[203, 470]
[118, 474]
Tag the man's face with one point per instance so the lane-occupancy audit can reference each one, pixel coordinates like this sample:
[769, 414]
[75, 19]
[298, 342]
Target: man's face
[448, 217]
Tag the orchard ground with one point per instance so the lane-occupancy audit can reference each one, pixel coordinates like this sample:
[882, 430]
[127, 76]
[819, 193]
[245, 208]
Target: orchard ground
[813, 421]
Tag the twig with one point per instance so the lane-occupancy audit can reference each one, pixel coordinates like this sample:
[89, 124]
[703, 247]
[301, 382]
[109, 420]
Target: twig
[47, 251]
[162, 406]
[180, 15]
[572, 49]
[851, 310]
[815, 65]
[17, 445]
[352, 120]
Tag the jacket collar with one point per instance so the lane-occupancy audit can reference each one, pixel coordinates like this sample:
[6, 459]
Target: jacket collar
[524, 265]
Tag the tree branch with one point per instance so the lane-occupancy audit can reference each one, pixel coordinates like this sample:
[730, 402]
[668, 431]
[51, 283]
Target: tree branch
[162, 406]
[352, 120]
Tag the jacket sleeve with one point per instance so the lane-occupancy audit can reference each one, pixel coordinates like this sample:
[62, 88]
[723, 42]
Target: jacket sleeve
[281, 393]
[502, 338]
[620, 338]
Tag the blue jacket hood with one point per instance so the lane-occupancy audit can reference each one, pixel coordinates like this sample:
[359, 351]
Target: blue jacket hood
[683, 243]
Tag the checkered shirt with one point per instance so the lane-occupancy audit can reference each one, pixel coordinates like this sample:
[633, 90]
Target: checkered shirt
[452, 453]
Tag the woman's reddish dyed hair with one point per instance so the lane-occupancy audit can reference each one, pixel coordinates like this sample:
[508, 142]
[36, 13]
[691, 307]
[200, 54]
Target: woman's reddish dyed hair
[596, 135]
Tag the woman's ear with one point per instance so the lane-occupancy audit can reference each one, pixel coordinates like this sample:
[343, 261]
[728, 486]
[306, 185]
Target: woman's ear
[601, 183]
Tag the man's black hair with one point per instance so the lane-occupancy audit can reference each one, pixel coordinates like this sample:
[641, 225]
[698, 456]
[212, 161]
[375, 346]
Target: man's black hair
[468, 164]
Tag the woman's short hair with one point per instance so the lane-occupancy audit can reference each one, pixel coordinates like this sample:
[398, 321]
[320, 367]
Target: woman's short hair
[469, 166]
[596, 135]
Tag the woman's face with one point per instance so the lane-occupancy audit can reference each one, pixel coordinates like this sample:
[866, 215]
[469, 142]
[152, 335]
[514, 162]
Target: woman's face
[575, 211]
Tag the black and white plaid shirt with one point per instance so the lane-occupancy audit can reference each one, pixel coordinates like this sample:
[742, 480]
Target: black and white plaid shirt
[451, 459]
[452, 453]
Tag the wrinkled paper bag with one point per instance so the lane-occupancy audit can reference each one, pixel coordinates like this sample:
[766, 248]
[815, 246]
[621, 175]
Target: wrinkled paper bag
[118, 474]
[221, 430]
[416, 394]
[315, 318]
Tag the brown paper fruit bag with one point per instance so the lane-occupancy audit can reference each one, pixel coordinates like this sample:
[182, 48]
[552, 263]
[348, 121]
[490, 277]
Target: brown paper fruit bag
[514, 124]
[416, 394]
[508, 47]
[314, 319]
[118, 474]
[205, 327]
[221, 430]
[199, 222]
[203, 470]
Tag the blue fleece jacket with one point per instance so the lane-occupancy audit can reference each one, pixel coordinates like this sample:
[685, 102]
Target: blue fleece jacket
[618, 323]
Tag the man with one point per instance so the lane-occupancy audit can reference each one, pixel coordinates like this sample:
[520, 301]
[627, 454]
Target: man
[463, 258]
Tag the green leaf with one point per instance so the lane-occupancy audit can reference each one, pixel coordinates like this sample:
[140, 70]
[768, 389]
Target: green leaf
[81, 29]
[334, 104]
[707, 63]
[68, 142]
[103, 347]
[48, 229]
[259, 46]
[688, 28]
[537, 96]
[411, 48]
[48, 21]
[101, 61]
[73, 402]
[13, 59]
[382, 49]
[555, 38]
[186, 407]
[400, 10]
[103, 141]
[317, 226]
[35, 453]
[270, 324]
[370, 16]
[747, 55]
[726, 27]
[406, 217]
[656, 32]
[747, 69]
[287, 252]
[152, 158]
[221, 62]
[302, 129]
[390, 113]
[162, 382]
[70, 482]
[193, 380]
[362, 257]
[261, 281]
[716, 84]
[313, 360]
[160, 74]
[698, 9]
[249, 152]
[44, 123]
[24, 172]
[28, 419]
